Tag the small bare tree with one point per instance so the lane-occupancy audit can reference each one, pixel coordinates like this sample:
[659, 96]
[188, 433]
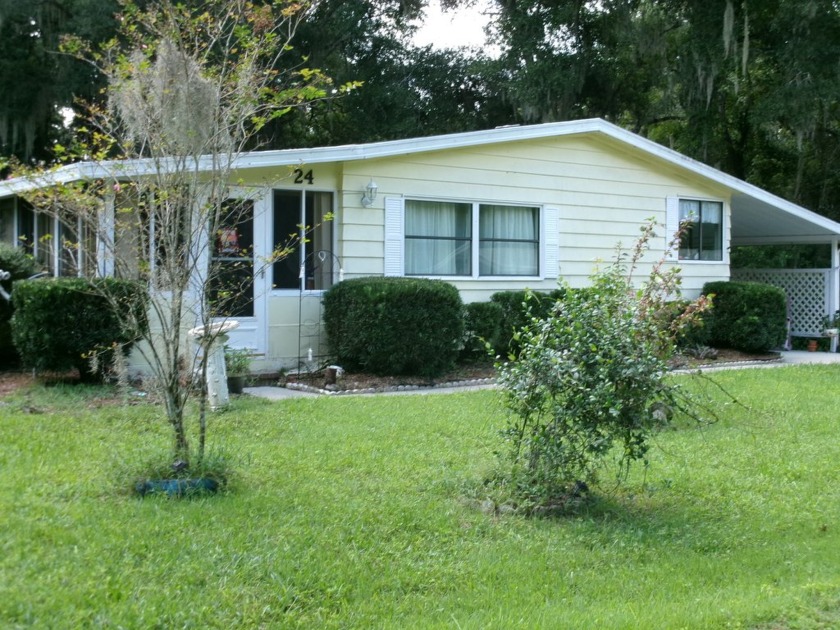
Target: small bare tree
[189, 85]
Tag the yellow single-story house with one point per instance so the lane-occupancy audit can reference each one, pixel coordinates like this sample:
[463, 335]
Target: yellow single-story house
[505, 208]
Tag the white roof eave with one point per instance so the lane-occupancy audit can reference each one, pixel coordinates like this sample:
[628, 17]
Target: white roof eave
[821, 228]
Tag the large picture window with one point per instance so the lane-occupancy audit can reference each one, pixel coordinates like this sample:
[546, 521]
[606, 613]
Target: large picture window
[702, 238]
[470, 239]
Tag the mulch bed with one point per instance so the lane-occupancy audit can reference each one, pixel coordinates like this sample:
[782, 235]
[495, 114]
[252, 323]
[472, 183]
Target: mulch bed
[11, 381]
[357, 381]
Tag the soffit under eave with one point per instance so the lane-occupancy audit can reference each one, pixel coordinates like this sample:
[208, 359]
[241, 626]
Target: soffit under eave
[757, 222]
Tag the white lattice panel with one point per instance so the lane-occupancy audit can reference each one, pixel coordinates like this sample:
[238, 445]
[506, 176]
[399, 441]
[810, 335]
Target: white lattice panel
[808, 293]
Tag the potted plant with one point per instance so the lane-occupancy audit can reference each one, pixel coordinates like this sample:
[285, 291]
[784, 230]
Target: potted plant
[237, 366]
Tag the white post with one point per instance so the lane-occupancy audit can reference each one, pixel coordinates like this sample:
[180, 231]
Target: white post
[106, 234]
[834, 288]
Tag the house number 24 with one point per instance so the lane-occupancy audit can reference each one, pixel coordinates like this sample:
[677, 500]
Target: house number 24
[300, 176]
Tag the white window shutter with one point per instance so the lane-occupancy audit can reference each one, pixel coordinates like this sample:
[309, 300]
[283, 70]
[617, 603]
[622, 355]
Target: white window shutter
[672, 226]
[394, 236]
[551, 240]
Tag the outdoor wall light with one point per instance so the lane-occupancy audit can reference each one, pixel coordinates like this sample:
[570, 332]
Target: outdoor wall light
[370, 194]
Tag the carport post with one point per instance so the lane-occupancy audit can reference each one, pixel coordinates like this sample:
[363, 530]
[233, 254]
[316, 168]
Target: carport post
[833, 303]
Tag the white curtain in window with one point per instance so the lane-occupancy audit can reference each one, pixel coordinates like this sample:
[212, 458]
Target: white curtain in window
[509, 241]
[702, 222]
[711, 216]
[437, 238]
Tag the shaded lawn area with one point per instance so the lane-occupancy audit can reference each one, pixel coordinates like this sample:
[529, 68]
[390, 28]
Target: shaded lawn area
[353, 513]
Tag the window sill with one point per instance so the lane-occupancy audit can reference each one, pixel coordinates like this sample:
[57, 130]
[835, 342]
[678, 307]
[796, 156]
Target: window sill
[484, 278]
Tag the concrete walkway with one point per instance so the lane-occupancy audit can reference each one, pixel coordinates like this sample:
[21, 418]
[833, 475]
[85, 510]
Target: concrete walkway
[792, 357]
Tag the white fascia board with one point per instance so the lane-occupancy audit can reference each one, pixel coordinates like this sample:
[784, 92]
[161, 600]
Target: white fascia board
[390, 148]
[115, 170]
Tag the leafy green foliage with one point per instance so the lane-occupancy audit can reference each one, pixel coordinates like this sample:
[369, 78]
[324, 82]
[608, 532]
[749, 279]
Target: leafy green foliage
[589, 376]
[184, 83]
[518, 308]
[237, 361]
[62, 323]
[394, 325]
[693, 333]
[482, 327]
[20, 266]
[746, 316]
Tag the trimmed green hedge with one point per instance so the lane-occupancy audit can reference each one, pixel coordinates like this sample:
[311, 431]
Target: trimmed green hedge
[482, 325]
[747, 316]
[21, 266]
[518, 308]
[59, 322]
[394, 325]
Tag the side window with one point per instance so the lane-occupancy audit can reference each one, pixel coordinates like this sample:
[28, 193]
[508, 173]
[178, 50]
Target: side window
[7, 221]
[703, 235]
[303, 223]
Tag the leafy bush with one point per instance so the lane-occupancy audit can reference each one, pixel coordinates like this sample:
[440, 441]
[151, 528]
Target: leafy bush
[518, 308]
[747, 316]
[693, 334]
[589, 375]
[394, 325]
[61, 323]
[482, 325]
[21, 266]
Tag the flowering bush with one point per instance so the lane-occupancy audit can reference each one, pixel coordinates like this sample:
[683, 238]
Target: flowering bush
[590, 377]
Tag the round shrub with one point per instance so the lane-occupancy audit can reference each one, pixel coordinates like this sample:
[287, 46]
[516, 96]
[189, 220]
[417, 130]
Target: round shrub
[411, 326]
[59, 323]
[20, 266]
[747, 316]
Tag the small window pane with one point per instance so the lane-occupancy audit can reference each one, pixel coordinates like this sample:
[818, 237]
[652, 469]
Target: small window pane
[702, 224]
[509, 240]
[438, 239]
[46, 244]
[231, 285]
[26, 229]
[7, 221]
[70, 251]
[320, 265]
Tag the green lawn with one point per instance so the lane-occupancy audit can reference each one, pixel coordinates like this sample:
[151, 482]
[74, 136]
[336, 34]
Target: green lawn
[351, 513]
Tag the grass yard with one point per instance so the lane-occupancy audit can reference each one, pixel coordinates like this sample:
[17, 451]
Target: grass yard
[351, 513]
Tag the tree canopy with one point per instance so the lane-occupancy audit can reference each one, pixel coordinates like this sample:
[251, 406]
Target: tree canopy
[749, 87]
